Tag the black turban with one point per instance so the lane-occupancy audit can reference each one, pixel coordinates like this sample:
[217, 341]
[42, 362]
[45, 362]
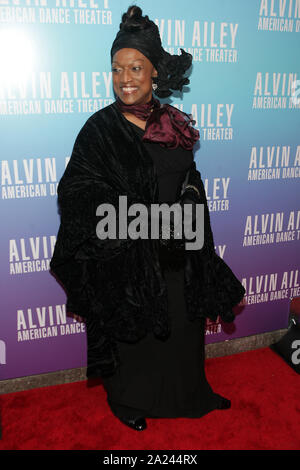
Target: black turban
[138, 32]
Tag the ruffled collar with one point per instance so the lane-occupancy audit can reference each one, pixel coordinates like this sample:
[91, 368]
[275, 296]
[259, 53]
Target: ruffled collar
[165, 124]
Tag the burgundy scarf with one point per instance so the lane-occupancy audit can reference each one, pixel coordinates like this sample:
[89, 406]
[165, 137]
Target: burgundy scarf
[165, 125]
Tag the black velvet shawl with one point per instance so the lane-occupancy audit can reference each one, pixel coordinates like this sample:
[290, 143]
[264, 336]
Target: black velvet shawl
[118, 285]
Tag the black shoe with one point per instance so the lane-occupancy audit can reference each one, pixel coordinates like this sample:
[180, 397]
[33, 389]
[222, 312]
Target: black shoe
[224, 404]
[139, 424]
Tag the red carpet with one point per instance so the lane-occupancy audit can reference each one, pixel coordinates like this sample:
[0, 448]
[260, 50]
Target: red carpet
[265, 413]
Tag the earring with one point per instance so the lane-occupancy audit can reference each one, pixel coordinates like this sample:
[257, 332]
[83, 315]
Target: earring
[154, 86]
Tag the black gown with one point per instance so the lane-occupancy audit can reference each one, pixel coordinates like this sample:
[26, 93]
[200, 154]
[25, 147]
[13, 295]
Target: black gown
[165, 379]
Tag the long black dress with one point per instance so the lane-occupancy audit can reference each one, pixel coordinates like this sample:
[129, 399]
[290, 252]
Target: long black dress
[165, 379]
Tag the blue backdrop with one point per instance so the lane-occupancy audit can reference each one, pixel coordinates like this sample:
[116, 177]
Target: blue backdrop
[243, 93]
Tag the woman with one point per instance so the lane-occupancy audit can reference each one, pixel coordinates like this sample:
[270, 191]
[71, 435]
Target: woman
[144, 300]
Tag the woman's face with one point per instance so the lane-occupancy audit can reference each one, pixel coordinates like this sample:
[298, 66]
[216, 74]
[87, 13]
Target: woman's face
[132, 73]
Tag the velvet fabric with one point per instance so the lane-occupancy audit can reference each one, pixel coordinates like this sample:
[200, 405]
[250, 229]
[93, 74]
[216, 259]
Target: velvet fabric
[117, 285]
[165, 125]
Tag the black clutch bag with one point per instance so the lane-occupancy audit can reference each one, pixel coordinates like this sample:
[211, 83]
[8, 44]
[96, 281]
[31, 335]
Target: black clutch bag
[172, 250]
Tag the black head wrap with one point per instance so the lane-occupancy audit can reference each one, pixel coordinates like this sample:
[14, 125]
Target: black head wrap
[138, 32]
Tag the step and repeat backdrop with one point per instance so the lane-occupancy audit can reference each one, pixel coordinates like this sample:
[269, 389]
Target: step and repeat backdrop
[244, 95]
